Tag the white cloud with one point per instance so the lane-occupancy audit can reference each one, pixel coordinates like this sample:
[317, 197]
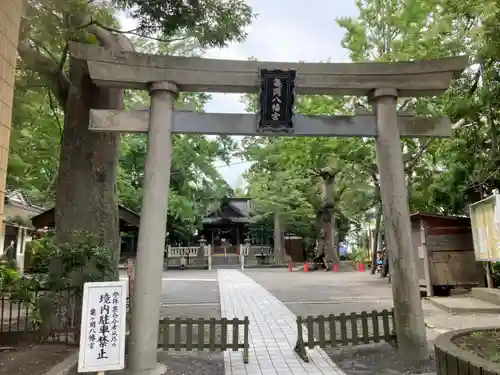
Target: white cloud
[285, 30]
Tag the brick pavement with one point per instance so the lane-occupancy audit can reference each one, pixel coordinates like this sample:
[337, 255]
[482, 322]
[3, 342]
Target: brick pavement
[272, 332]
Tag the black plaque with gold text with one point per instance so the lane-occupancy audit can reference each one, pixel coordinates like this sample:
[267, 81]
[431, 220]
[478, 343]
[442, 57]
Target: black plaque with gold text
[277, 97]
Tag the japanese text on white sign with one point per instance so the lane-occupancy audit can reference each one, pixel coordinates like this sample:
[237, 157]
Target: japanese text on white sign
[102, 338]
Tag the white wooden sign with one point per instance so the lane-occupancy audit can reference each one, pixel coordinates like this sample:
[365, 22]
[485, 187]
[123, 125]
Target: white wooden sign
[103, 329]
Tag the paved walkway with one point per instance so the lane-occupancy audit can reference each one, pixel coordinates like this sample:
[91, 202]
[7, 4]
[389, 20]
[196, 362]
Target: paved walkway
[273, 332]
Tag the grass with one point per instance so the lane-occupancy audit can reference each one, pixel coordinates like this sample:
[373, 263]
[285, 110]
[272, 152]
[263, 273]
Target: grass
[482, 343]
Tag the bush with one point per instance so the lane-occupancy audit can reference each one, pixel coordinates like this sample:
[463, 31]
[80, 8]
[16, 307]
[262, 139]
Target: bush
[360, 255]
[60, 272]
[495, 273]
[9, 276]
[70, 265]
[38, 254]
[56, 268]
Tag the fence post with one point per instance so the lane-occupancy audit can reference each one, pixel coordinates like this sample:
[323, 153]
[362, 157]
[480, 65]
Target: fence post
[246, 324]
[300, 346]
[242, 258]
[394, 337]
[210, 258]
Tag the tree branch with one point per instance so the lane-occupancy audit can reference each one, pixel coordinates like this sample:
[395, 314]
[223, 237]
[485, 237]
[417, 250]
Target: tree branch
[46, 67]
[417, 156]
[56, 117]
[136, 32]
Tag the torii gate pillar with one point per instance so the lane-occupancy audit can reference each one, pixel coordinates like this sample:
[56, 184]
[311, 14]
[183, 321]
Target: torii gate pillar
[402, 257]
[146, 304]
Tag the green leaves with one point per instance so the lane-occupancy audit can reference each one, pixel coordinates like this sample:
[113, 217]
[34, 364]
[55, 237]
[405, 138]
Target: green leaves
[185, 28]
[194, 183]
[285, 174]
[442, 175]
[35, 143]
[211, 22]
[449, 174]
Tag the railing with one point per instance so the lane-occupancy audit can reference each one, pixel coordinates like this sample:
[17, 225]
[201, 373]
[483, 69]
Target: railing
[207, 250]
[226, 250]
[179, 251]
[256, 255]
[343, 330]
[261, 250]
[244, 250]
[212, 334]
[43, 316]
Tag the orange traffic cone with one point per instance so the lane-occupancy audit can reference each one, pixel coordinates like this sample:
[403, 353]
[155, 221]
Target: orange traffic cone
[306, 267]
[335, 268]
[289, 267]
[361, 267]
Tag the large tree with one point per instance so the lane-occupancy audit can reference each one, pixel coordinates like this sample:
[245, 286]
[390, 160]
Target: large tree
[439, 173]
[86, 191]
[444, 176]
[311, 181]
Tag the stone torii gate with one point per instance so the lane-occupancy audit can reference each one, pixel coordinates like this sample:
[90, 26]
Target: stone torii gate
[166, 76]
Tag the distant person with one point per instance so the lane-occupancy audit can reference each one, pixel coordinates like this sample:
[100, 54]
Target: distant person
[380, 262]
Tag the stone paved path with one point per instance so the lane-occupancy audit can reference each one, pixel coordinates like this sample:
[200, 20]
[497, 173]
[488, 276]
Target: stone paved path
[273, 332]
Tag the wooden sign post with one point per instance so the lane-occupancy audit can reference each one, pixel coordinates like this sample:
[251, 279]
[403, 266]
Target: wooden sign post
[131, 277]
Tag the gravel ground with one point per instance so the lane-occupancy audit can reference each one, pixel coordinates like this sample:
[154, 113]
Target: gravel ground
[444, 321]
[321, 293]
[193, 363]
[377, 359]
[192, 299]
[324, 293]
[26, 359]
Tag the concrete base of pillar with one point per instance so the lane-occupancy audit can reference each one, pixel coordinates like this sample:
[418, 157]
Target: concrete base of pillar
[160, 369]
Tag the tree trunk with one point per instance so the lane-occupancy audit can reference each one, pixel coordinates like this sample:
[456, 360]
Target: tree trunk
[278, 240]
[86, 181]
[86, 193]
[326, 215]
[333, 230]
[378, 219]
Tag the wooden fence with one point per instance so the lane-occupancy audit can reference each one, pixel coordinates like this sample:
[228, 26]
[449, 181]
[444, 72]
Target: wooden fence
[41, 315]
[343, 330]
[212, 334]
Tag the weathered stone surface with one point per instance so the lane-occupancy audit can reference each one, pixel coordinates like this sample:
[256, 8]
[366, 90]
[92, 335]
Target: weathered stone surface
[246, 124]
[135, 71]
[464, 305]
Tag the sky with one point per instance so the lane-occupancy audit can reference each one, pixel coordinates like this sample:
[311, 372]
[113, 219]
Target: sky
[284, 30]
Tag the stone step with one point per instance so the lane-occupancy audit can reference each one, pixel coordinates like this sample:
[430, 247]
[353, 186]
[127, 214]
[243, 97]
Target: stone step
[491, 295]
[221, 260]
[464, 305]
[226, 266]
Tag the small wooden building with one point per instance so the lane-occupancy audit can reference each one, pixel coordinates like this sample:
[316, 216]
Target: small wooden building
[129, 228]
[294, 247]
[445, 253]
[16, 228]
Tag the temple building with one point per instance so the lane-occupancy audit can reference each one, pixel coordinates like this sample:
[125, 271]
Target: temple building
[226, 223]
